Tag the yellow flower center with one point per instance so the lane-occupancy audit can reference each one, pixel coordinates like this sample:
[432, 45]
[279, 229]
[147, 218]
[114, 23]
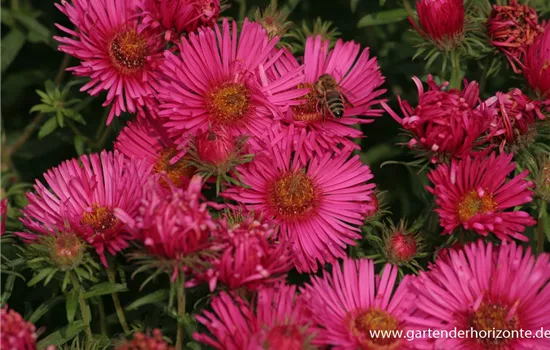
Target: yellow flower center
[490, 317]
[176, 172]
[472, 203]
[128, 51]
[100, 219]
[375, 320]
[307, 111]
[292, 195]
[228, 103]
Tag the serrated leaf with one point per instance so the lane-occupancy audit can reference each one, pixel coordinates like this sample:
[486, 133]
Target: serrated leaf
[48, 128]
[384, 17]
[104, 288]
[71, 304]
[11, 45]
[154, 297]
[39, 277]
[63, 335]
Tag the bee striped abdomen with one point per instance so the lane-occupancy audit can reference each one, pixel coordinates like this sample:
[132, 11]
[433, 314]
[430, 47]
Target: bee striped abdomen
[335, 103]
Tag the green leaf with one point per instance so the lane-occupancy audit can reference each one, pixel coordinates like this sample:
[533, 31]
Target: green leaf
[39, 277]
[11, 45]
[382, 3]
[353, 5]
[44, 309]
[37, 31]
[63, 335]
[79, 144]
[48, 127]
[71, 304]
[154, 297]
[104, 288]
[43, 108]
[50, 87]
[59, 116]
[7, 288]
[384, 17]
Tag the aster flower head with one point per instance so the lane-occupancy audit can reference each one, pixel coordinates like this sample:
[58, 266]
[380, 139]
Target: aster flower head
[3, 215]
[441, 21]
[85, 193]
[542, 178]
[16, 332]
[444, 123]
[141, 341]
[353, 301]
[512, 28]
[175, 227]
[274, 21]
[147, 140]
[276, 319]
[318, 205]
[218, 78]
[537, 64]
[484, 288]
[251, 257]
[475, 193]
[514, 119]
[114, 53]
[345, 71]
[402, 244]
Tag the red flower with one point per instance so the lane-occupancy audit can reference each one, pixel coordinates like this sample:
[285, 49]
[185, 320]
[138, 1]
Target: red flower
[442, 21]
[3, 215]
[512, 29]
[537, 64]
[16, 332]
[142, 341]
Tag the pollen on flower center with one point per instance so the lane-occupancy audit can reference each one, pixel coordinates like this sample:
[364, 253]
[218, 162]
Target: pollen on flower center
[375, 320]
[228, 103]
[287, 337]
[307, 111]
[128, 51]
[493, 316]
[176, 172]
[473, 203]
[100, 219]
[292, 196]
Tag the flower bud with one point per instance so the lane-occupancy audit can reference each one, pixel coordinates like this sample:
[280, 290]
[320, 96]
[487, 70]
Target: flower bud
[542, 188]
[401, 247]
[215, 147]
[273, 21]
[67, 251]
[442, 21]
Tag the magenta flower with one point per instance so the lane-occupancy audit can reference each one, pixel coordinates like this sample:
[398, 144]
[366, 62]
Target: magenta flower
[444, 123]
[146, 139]
[474, 193]
[84, 194]
[175, 17]
[537, 64]
[483, 287]
[359, 79]
[318, 205]
[251, 257]
[278, 322]
[114, 53]
[16, 332]
[3, 215]
[218, 78]
[514, 117]
[353, 301]
[172, 225]
[442, 21]
[215, 147]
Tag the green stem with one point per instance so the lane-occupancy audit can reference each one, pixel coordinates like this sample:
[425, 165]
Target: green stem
[242, 10]
[111, 273]
[86, 317]
[540, 227]
[180, 291]
[102, 323]
[456, 74]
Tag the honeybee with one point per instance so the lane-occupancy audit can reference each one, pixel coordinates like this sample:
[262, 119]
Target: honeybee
[330, 97]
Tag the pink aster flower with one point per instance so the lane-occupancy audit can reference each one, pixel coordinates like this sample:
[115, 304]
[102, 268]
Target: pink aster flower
[318, 205]
[17, 334]
[114, 53]
[512, 28]
[148, 140]
[353, 301]
[358, 78]
[514, 117]
[537, 64]
[3, 215]
[482, 288]
[444, 123]
[174, 226]
[278, 322]
[218, 78]
[442, 21]
[84, 194]
[179, 16]
[251, 256]
[474, 193]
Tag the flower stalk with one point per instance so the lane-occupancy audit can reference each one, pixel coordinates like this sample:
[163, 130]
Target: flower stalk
[180, 292]
[111, 273]
[86, 317]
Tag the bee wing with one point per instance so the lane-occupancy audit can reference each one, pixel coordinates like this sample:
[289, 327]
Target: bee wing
[346, 94]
